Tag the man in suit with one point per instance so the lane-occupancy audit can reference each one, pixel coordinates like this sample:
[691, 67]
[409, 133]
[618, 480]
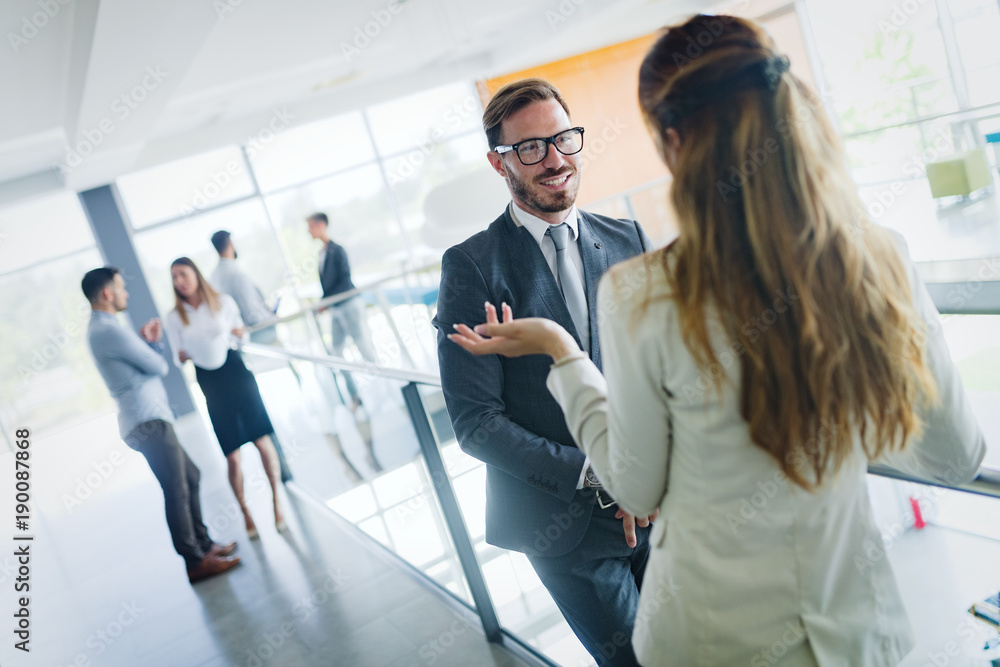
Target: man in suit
[543, 258]
[132, 368]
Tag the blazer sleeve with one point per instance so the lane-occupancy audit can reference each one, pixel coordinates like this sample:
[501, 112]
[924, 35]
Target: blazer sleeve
[951, 447]
[473, 390]
[129, 347]
[620, 419]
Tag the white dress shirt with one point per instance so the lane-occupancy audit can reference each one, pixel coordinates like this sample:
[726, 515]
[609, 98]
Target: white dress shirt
[207, 336]
[538, 228]
[743, 560]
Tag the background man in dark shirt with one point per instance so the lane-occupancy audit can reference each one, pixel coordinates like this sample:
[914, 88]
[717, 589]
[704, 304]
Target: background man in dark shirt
[349, 317]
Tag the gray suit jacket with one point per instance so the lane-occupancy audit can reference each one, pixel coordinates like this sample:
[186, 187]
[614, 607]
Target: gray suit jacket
[500, 409]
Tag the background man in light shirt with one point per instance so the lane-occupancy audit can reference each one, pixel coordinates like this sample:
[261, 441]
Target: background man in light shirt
[228, 277]
[542, 258]
[132, 368]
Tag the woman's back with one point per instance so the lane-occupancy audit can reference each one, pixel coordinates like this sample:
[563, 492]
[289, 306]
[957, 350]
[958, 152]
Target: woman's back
[748, 566]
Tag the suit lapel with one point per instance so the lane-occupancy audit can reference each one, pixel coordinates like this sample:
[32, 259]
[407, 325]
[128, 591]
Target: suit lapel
[531, 274]
[595, 265]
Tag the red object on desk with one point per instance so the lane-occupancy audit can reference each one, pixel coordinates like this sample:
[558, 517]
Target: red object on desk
[918, 517]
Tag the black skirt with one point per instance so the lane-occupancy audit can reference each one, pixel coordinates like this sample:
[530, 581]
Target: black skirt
[234, 404]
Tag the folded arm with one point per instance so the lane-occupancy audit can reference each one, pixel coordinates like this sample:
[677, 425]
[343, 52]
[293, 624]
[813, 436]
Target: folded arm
[121, 344]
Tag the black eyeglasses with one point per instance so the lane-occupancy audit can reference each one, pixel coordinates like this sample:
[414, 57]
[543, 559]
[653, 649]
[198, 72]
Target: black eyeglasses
[533, 151]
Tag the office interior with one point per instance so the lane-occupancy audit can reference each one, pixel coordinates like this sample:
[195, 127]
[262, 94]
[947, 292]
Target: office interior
[131, 131]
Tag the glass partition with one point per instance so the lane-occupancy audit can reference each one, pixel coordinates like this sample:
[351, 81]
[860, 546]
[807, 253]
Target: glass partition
[47, 378]
[362, 463]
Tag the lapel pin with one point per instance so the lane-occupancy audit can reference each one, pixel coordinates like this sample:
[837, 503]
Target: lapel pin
[597, 245]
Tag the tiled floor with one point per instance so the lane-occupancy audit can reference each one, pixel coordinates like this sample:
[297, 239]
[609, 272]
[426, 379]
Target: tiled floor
[108, 590]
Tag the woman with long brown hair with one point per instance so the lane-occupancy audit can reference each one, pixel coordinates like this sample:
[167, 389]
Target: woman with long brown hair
[753, 368]
[200, 328]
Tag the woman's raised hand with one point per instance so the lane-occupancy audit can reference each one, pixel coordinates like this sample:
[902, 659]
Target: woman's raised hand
[514, 338]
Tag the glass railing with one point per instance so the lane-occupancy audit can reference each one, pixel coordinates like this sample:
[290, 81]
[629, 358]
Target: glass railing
[390, 465]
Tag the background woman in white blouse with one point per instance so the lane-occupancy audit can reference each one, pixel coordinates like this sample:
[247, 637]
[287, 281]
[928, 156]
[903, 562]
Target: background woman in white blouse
[755, 366]
[200, 328]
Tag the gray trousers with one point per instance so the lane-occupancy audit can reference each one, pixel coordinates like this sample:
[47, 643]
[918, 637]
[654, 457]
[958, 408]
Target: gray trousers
[179, 478]
[350, 319]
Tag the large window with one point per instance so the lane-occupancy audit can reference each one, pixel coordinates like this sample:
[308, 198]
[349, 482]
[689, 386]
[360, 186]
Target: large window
[912, 84]
[47, 378]
[185, 187]
[370, 171]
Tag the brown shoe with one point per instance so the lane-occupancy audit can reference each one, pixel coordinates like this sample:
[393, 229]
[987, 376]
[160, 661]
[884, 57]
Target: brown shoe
[211, 566]
[221, 549]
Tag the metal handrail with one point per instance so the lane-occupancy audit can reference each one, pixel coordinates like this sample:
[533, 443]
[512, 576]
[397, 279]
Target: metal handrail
[343, 296]
[987, 483]
[401, 374]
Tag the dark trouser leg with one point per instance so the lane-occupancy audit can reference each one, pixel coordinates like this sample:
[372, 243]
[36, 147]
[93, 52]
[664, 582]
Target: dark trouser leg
[172, 468]
[194, 499]
[596, 587]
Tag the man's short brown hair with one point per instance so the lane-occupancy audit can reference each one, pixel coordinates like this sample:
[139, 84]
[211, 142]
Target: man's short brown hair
[512, 98]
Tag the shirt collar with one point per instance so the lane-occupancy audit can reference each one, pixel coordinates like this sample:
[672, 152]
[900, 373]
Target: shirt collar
[102, 315]
[537, 227]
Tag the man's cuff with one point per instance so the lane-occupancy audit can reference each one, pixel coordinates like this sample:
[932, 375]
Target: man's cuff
[583, 473]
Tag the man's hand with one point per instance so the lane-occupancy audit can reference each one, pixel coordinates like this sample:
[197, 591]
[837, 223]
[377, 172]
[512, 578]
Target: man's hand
[630, 522]
[238, 332]
[152, 331]
[183, 356]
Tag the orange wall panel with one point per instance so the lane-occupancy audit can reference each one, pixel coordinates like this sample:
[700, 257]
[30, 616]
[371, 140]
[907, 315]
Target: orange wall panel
[600, 89]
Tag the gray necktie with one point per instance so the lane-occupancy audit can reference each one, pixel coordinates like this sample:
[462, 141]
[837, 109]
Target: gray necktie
[570, 283]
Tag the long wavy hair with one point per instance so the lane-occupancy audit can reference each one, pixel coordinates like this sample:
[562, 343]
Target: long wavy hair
[205, 291]
[776, 244]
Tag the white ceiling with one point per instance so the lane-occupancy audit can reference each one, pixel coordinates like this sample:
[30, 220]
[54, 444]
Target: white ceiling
[73, 80]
